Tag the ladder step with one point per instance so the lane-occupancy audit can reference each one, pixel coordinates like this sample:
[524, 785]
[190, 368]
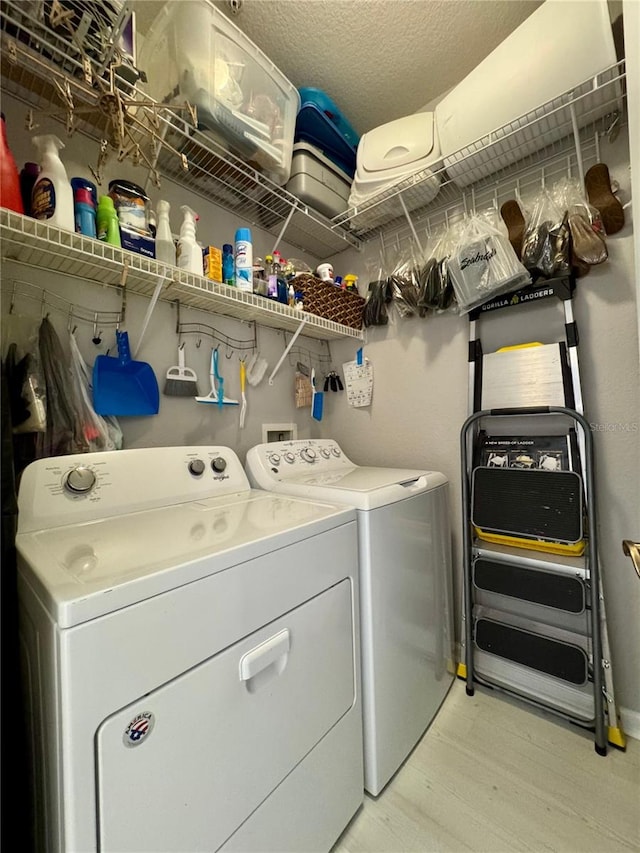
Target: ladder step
[528, 504]
[552, 657]
[561, 592]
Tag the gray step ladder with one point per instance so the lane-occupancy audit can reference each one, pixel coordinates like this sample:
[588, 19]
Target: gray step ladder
[534, 622]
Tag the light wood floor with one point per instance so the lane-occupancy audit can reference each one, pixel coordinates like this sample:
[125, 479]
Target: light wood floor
[492, 776]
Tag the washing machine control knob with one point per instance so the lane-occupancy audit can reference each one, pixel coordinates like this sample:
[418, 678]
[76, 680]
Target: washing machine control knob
[325, 452]
[274, 458]
[218, 464]
[289, 457]
[80, 480]
[308, 454]
[196, 467]
[336, 451]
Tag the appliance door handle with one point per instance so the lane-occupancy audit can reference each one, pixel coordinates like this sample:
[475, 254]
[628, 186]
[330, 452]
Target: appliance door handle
[262, 656]
[632, 549]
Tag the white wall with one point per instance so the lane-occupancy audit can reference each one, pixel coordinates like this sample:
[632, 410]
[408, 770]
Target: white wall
[420, 402]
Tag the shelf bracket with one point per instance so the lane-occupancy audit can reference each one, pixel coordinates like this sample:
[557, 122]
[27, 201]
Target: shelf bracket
[284, 227]
[287, 348]
[411, 226]
[162, 280]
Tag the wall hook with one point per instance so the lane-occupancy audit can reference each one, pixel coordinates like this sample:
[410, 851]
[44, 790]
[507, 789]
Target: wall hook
[97, 336]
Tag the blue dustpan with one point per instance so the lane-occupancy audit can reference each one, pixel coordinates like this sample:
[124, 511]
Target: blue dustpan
[122, 386]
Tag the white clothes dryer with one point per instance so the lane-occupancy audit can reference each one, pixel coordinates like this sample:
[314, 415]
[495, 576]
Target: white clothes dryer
[405, 585]
[190, 656]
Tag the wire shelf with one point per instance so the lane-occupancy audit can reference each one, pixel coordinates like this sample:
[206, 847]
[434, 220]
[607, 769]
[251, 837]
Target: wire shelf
[520, 154]
[36, 244]
[36, 60]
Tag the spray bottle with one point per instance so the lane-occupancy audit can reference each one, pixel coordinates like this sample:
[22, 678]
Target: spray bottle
[189, 252]
[244, 260]
[165, 248]
[52, 196]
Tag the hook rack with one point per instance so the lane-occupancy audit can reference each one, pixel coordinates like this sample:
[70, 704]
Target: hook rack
[231, 344]
[47, 299]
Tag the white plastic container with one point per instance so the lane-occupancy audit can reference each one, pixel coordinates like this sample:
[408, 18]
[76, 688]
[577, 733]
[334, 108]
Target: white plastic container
[388, 155]
[554, 50]
[189, 254]
[52, 195]
[194, 52]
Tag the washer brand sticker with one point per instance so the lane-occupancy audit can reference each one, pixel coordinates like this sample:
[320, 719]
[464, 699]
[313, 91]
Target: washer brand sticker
[138, 729]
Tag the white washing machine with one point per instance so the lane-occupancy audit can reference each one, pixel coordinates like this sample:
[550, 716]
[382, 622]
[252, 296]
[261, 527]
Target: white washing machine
[190, 654]
[405, 585]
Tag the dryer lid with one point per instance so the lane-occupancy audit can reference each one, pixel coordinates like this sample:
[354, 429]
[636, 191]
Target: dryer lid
[88, 570]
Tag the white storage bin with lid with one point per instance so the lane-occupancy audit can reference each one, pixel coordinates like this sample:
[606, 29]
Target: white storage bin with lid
[317, 181]
[193, 52]
[555, 50]
[391, 153]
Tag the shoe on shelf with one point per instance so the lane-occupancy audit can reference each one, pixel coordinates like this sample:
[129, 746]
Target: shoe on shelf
[597, 183]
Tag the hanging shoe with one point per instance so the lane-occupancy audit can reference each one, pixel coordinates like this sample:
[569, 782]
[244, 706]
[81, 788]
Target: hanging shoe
[597, 183]
[588, 246]
[514, 220]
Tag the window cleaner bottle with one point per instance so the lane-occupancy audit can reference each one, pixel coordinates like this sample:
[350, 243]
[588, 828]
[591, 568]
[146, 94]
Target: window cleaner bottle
[189, 254]
[244, 260]
[52, 197]
[107, 224]
[165, 247]
[9, 179]
[228, 265]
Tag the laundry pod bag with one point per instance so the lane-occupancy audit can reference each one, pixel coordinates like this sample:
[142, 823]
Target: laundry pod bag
[483, 265]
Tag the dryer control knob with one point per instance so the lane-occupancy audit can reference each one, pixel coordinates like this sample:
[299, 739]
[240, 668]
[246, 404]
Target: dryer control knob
[196, 467]
[80, 480]
[308, 454]
[219, 464]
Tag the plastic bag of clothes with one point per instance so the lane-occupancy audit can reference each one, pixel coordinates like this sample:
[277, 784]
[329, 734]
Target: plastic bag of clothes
[379, 293]
[435, 290]
[404, 280]
[483, 265]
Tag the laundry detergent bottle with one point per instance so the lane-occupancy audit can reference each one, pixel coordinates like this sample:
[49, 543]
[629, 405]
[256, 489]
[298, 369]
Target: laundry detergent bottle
[9, 179]
[52, 196]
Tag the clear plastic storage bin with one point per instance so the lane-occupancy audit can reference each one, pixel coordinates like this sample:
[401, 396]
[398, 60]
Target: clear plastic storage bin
[194, 52]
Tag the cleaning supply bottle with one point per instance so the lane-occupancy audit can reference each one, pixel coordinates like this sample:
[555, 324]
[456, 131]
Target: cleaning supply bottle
[107, 225]
[244, 260]
[28, 176]
[189, 254]
[9, 179]
[52, 197]
[228, 264]
[272, 277]
[165, 248]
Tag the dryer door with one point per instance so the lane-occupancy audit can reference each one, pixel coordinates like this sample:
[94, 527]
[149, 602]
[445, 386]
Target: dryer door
[184, 766]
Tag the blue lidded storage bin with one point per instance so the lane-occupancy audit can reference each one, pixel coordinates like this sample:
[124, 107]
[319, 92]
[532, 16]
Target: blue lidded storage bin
[321, 122]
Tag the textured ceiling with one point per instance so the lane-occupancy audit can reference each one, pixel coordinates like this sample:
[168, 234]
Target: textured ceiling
[377, 59]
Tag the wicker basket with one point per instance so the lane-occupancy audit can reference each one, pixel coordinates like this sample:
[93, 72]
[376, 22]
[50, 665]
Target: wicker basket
[326, 300]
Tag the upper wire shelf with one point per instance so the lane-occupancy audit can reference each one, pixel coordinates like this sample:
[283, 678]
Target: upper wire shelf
[45, 70]
[557, 137]
[37, 244]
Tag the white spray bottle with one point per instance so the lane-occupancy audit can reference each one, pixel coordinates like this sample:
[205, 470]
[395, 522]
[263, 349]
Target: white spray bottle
[52, 196]
[189, 252]
[165, 248]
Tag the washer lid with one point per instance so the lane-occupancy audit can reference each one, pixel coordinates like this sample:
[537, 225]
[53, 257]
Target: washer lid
[90, 569]
[362, 487]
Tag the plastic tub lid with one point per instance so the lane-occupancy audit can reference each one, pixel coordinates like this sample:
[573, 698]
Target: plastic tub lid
[397, 145]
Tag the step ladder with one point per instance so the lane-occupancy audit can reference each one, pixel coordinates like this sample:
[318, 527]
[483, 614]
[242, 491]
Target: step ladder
[534, 622]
